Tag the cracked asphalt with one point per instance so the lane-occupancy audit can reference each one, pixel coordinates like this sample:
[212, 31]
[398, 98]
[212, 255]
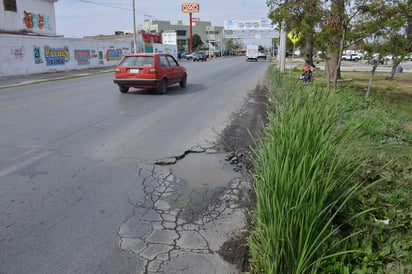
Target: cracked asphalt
[173, 239]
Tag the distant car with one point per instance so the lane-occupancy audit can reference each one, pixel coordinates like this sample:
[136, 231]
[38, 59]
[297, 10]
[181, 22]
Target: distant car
[376, 59]
[290, 53]
[182, 54]
[197, 56]
[389, 58]
[351, 57]
[262, 55]
[149, 70]
[189, 56]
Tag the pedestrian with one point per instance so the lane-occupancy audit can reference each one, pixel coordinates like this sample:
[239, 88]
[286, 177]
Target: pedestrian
[306, 77]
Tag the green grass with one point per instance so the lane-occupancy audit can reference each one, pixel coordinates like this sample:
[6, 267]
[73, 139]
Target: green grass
[328, 171]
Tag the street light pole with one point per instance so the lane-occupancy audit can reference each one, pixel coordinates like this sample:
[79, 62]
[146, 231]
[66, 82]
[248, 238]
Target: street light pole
[134, 27]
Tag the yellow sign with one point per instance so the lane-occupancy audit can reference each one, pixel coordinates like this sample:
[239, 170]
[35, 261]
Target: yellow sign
[294, 36]
[191, 7]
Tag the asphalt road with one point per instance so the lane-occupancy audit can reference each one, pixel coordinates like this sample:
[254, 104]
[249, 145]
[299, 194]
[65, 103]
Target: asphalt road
[76, 155]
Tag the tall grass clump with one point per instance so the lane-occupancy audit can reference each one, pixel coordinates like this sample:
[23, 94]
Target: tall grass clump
[301, 181]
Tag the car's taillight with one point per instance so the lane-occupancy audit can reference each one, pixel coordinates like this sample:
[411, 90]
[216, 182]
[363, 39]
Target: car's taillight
[152, 70]
[117, 70]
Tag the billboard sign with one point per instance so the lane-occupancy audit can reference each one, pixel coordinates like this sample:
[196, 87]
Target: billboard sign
[162, 48]
[191, 7]
[169, 38]
[261, 24]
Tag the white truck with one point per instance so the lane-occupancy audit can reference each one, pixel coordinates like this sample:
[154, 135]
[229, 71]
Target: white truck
[252, 52]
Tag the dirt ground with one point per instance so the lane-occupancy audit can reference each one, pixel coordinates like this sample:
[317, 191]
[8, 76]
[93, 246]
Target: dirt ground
[237, 138]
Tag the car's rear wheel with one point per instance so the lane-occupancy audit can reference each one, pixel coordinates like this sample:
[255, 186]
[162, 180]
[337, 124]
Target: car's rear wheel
[162, 86]
[183, 82]
[123, 89]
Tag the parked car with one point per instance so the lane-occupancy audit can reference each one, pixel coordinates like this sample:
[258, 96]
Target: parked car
[351, 57]
[290, 53]
[376, 59]
[149, 70]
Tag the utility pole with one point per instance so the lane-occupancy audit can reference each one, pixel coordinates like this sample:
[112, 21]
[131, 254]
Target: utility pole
[282, 48]
[134, 28]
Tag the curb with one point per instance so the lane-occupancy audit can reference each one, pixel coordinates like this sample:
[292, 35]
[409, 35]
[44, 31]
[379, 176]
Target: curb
[24, 80]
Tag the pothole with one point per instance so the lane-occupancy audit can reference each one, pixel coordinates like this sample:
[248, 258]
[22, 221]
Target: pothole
[204, 170]
[200, 181]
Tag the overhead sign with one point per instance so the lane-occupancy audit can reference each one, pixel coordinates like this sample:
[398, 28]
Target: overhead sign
[294, 36]
[191, 7]
[261, 24]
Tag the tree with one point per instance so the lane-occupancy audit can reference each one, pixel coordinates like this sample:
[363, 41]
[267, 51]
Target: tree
[233, 44]
[197, 43]
[229, 44]
[300, 15]
[385, 26]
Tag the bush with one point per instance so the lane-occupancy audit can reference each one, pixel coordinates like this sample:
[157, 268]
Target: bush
[300, 180]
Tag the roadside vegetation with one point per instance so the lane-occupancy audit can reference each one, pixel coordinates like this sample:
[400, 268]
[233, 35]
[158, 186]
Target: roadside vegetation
[333, 178]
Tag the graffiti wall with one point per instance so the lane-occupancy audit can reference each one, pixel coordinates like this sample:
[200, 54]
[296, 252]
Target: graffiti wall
[37, 17]
[22, 54]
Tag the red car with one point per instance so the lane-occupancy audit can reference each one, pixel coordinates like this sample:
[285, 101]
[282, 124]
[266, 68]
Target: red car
[149, 70]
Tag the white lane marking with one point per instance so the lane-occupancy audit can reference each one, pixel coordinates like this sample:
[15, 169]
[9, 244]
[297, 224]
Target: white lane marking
[25, 163]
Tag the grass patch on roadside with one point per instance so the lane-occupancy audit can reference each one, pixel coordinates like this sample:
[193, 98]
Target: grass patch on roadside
[333, 180]
[396, 92]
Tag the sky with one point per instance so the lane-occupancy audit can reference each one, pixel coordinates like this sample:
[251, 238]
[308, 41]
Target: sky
[78, 18]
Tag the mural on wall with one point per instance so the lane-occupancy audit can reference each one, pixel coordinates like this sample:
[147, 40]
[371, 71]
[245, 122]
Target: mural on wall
[126, 50]
[113, 54]
[28, 54]
[37, 21]
[56, 56]
[98, 55]
[37, 55]
[82, 56]
[17, 53]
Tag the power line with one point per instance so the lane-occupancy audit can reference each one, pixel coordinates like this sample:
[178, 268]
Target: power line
[114, 5]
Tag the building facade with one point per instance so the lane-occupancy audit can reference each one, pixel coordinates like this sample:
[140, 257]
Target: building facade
[211, 36]
[28, 17]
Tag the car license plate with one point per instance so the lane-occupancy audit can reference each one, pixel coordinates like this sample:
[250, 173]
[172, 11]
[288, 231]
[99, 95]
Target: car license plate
[134, 70]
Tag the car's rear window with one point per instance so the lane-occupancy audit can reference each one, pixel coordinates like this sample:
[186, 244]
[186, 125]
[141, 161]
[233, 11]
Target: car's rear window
[141, 61]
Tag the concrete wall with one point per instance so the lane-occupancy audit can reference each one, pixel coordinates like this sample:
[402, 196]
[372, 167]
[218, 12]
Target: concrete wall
[31, 16]
[22, 54]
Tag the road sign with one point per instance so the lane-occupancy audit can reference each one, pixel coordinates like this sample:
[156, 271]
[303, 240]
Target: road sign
[294, 36]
